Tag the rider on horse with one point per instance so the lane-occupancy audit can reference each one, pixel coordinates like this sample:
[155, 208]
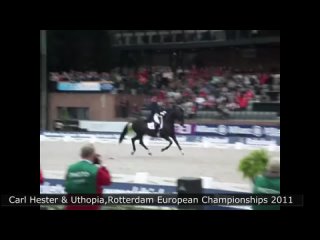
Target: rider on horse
[156, 115]
[141, 127]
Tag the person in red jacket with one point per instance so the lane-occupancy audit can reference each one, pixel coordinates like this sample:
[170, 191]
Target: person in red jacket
[249, 94]
[87, 176]
[41, 178]
[243, 101]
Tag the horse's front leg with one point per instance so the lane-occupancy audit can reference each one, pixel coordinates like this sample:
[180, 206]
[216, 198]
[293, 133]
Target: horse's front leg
[170, 143]
[133, 145]
[176, 142]
[145, 147]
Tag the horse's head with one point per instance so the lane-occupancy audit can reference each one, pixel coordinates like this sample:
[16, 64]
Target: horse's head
[178, 114]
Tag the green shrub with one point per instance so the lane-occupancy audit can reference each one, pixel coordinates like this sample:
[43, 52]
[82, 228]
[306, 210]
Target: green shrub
[254, 163]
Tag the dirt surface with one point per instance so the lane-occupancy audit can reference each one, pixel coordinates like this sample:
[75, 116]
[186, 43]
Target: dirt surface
[220, 164]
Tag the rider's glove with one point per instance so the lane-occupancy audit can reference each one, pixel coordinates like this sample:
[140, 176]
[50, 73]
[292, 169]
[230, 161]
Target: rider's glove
[163, 113]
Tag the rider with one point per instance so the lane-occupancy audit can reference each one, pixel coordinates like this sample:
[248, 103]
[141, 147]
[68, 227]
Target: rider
[158, 118]
[156, 115]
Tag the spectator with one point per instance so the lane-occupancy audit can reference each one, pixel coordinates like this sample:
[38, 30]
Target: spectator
[264, 97]
[268, 183]
[201, 86]
[243, 101]
[254, 80]
[161, 95]
[190, 109]
[87, 177]
[231, 84]
[41, 177]
[54, 77]
[121, 85]
[263, 78]
[247, 81]
[249, 94]
[270, 82]
[222, 108]
[143, 77]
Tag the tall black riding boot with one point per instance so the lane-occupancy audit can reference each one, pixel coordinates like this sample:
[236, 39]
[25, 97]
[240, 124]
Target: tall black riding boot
[157, 130]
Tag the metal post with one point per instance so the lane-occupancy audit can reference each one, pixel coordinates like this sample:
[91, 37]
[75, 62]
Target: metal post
[44, 82]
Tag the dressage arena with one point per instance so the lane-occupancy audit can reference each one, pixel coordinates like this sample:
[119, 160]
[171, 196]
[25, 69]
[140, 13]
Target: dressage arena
[219, 163]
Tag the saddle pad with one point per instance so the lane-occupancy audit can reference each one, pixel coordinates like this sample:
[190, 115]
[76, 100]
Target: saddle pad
[151, 125]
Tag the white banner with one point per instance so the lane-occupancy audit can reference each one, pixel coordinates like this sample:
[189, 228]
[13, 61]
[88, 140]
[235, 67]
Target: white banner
[183, 130]
[83, 86]
[96, 126]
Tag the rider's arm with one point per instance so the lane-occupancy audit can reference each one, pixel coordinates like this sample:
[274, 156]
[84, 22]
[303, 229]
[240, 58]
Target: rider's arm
[163, 113]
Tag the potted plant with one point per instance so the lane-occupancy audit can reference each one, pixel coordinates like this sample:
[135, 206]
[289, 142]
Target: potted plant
[254, 163]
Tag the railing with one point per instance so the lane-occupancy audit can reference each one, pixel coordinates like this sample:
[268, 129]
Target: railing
[267, 107]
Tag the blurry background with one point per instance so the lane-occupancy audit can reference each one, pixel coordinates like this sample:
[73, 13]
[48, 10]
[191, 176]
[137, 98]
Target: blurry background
[105, 75]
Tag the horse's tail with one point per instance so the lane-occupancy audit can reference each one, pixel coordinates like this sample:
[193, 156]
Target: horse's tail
[124, 133]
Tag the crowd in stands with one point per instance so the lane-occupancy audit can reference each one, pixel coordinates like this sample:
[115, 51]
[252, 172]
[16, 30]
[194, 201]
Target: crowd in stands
[75, 76]
[211, 88]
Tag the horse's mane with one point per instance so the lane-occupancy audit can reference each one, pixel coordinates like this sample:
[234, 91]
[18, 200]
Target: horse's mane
[171, 112]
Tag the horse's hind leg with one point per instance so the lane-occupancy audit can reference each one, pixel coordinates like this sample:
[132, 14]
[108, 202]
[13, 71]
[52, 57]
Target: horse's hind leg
[170, 143]
[176, 142]
[145, 147]
[133, 145]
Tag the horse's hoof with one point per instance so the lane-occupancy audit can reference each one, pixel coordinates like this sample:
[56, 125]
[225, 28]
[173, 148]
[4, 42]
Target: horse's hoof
[162, 150]
[150, 154]
[182, 153]
[132, 153]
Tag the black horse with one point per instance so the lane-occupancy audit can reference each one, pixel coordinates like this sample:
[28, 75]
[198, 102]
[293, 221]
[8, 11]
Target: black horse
[140, 127]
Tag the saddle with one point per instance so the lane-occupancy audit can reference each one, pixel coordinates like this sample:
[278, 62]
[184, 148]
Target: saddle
[152, 125]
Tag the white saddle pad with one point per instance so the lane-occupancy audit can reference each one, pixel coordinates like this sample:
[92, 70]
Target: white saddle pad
[151, 125]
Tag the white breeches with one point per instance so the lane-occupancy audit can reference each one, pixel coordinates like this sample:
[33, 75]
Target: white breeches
[156, 118]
